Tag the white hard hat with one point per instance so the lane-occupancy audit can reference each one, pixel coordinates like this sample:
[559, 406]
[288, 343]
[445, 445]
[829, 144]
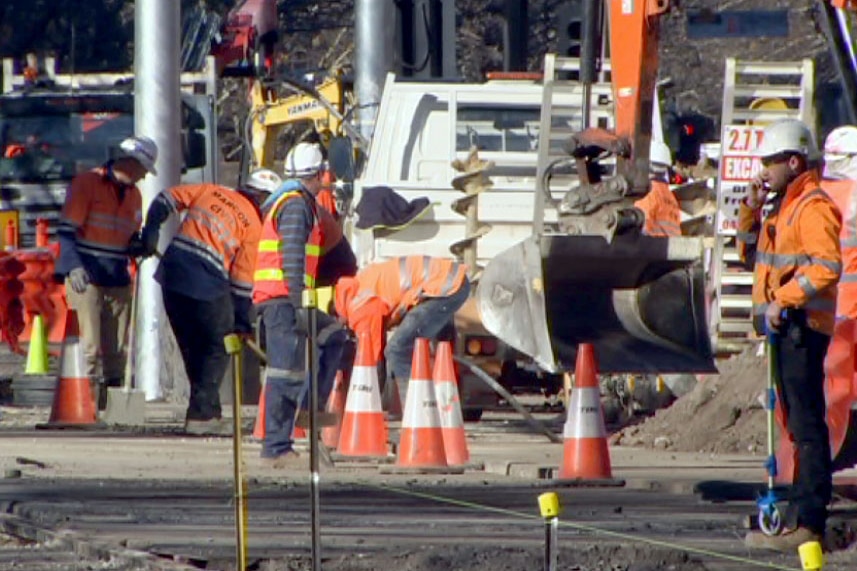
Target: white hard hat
[841, 142]
[263, 180]
[305, 159]
[660, 155]
[788, 136]
[143, 150]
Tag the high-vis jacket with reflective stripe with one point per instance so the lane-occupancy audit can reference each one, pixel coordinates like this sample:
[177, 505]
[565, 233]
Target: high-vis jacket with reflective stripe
[844, 193]
[663, 215]
[403, 282]
[271, 278]
[214, 251]
[98, 218]
[797, 254]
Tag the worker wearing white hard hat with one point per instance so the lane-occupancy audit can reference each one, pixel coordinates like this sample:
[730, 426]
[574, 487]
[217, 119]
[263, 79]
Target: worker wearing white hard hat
[794, 246]
[97, 232]
[288, 261]
[206, 275]
[660, 207]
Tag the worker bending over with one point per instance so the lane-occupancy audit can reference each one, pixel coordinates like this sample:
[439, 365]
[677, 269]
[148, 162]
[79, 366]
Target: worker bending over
[207, 279]
[797, 267]
[663, 215]
[290, 251]
[97, 233]
[418, 295]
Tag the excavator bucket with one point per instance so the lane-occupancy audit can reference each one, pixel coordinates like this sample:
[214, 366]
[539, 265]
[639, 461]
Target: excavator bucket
[638, 300]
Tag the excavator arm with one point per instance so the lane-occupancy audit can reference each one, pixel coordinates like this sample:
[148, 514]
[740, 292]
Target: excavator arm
[592, 277]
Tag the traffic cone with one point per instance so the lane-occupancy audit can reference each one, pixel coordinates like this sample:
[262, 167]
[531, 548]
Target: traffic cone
[585, 454]
[364, 430]
[336, 405]
[37, 352]
[259, 427]
[421, 437]
[73, 406]
[449, 406]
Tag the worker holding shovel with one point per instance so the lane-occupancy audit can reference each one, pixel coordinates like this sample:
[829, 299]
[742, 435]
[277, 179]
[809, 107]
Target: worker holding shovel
[207, 277]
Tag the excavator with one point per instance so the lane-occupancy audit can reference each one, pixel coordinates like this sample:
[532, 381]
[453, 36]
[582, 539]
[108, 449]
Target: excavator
[590, 275]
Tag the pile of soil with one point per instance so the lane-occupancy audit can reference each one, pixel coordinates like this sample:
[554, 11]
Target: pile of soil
[722, 414]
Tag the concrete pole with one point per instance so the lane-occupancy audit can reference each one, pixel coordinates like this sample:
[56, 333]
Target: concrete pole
[157, 101]
[373, 57]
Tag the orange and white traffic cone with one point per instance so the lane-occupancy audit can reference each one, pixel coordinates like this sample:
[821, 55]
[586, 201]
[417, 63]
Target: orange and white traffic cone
[585, 453]
[259, 427]
[364, 429]
[73, 406]
[449, 406]
[335, 405]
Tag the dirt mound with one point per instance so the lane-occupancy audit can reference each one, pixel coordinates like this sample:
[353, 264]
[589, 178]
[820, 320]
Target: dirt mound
[722, 414]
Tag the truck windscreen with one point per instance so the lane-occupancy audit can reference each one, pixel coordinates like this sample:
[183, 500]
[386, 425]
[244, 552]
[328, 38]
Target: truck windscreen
[41, 141]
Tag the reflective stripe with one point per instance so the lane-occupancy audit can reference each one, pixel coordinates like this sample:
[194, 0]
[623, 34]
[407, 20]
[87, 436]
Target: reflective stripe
[815, 304]
[268, 275]
[784, 260]
[450, 279]
[182, 243]
[287, 373]
[848, 278]
[404, 275]
[747, 237]
[269, 245]
[312, 249]
[806, 285]
[803, 200]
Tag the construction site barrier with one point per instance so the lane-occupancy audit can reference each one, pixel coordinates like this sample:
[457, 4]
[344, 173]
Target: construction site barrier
[11, 309]
[41, 295]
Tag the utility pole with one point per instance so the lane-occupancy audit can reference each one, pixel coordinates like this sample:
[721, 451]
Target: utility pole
[373, 57]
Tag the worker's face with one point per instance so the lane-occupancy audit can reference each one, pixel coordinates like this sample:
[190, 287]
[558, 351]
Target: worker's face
[313, 184]
[779, 171]
[129, 171]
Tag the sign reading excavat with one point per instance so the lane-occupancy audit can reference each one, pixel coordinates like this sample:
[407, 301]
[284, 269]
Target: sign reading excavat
[738, 166]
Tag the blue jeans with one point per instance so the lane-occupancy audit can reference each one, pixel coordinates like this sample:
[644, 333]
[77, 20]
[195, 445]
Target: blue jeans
[287, 382]
[431, 318]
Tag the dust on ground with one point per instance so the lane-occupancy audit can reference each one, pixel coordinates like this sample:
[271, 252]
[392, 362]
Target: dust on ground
[466, 558]
[722, 414]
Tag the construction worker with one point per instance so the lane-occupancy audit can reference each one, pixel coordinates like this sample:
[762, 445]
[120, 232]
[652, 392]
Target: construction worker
[840, 385]
[207, 279]
[797, 265]
[418, 295]
[288, 261]
[663, 215]
[97, 233]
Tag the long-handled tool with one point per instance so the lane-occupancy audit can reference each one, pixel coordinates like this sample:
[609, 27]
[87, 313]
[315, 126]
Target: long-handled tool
[770, 519]
[126, 405]
[550, 508]
[233, 347]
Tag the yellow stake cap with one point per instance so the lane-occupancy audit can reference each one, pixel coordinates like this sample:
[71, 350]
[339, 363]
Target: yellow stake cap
[549, 505]
[232, 343]
[811, 557]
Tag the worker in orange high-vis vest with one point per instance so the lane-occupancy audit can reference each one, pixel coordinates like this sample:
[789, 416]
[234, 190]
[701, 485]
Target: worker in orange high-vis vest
[796, 249]
[660, 206]
[287, 263]
[416, 295]
[97, 233]
[840, 183]
[207, 279]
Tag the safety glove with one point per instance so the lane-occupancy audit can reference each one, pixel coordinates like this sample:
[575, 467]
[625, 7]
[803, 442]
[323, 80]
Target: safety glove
[78, 279]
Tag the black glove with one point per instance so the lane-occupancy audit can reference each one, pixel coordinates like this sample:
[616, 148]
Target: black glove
[149, 237]
[135, 245]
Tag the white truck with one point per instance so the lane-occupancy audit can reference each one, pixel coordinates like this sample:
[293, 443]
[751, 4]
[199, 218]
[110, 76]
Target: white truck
[420, 130]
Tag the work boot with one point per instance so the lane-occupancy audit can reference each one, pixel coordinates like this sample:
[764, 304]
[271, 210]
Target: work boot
[321, 418]
[210, 427]
[786, 542]
[285, 461]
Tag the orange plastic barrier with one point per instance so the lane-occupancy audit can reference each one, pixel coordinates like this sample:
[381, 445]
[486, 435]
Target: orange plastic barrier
[41, 295]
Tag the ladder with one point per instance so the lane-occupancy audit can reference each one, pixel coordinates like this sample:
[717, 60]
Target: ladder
[754, 93]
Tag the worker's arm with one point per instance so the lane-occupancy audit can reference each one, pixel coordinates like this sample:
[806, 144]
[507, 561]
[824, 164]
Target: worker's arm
[75, 211]
[818, 226]
[294, 224]
[241, 277]
[747, 236]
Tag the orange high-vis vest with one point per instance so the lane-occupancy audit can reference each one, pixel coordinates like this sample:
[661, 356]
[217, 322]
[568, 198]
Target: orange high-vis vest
[844, 193]
[269, 279]
[403, 282]
[798, 259]
[663, 215]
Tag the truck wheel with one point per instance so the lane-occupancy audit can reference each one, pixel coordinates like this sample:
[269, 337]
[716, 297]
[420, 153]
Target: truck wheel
[472, 414]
